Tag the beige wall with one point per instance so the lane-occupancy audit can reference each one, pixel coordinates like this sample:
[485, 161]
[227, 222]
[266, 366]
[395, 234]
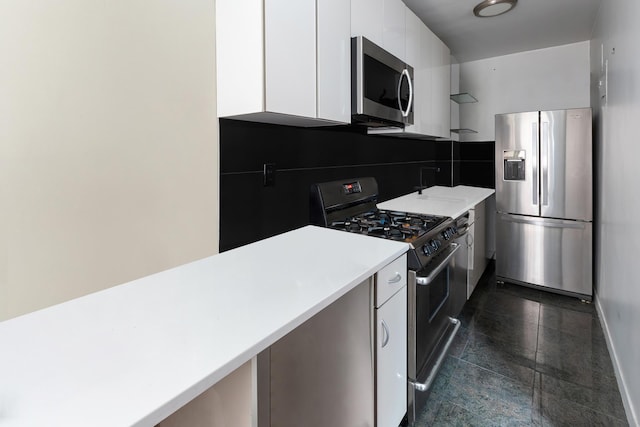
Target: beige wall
[108, 144]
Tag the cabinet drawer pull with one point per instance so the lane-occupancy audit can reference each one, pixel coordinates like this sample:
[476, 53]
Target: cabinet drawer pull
[395, 279]
[385, 334]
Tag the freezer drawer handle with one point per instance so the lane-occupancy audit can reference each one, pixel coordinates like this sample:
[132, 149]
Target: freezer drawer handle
[441, 266]
[544, 223]
[436, 367]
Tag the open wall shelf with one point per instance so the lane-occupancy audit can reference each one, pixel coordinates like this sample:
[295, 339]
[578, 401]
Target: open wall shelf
[463, 98]
[463, 130]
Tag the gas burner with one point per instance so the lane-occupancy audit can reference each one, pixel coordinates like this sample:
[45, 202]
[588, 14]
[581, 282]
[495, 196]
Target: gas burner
[393, 233]
[347, 225]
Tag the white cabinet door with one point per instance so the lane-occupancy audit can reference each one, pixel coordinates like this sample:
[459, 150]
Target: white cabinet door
[414, 54]
[478, 259]
[391, 360]
[393, 28]
[290, 56]
[426, 75]
[440, 89]
[367, 19]
[284, 61]
[334, 60]
[391, 279]
[239, 57]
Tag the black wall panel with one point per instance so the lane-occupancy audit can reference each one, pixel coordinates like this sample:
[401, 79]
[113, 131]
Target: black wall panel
[250, 211]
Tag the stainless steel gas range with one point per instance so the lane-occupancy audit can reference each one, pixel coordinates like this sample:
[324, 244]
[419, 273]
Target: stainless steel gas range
[350, 205]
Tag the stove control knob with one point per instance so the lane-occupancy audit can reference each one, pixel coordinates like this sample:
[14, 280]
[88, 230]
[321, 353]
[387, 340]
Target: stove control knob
[427, 249]
[435, 244]
[448, 233]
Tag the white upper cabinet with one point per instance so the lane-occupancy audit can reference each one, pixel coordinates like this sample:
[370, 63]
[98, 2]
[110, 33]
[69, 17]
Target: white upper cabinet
[429, 57]
[393, 28]
[367, 19]
[273, 64]
[441, 87]
[290, 57]
[334, 60]
[415, 58]
[382, 22]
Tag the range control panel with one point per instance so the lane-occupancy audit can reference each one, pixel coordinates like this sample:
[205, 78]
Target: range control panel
[352, 187]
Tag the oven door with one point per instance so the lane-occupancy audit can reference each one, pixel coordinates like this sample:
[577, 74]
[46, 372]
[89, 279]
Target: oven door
[430, 328]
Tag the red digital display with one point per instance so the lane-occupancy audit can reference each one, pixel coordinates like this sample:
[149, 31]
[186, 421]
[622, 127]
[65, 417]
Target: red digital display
[352, 187]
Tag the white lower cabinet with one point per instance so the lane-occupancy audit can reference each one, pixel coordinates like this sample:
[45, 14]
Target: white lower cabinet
[391, 360]
[391, 343]
[476, 239]
[346, 366]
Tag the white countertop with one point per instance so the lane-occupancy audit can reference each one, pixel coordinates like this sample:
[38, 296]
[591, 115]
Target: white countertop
[445, 201]
[135, 353]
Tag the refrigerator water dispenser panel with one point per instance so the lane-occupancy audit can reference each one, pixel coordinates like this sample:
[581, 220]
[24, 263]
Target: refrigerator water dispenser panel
[514, 165]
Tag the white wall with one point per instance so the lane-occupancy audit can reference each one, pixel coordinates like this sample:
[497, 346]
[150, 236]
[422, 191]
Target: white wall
[108, 144]
[617, 196]
[545, 79]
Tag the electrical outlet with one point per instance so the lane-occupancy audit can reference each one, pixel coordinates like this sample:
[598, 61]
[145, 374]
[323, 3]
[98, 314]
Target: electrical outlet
[269, 174]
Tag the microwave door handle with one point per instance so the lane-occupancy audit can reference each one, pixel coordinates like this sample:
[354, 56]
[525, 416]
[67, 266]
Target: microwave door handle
[410, 104]
[405, 73]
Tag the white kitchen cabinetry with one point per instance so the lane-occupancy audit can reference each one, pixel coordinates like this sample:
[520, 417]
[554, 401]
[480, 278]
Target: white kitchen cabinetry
[391, 343]
[334, 60]
[440, 88]
[429, 57]
[476, 239]
[393, 28]
[417, 57]
[328, 372]
[367, 19]
[382, 22]
[276, 57]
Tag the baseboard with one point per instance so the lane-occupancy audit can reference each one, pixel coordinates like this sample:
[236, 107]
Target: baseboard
[632, 417]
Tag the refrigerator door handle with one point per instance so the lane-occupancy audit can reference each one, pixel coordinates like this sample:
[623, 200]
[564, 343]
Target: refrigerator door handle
[545, 147]
[534, 162]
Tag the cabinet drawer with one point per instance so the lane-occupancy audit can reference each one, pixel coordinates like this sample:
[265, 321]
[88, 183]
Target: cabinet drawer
[391, 279]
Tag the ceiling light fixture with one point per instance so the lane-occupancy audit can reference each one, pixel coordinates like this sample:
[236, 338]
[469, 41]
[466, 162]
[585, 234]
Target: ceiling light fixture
[489, 8]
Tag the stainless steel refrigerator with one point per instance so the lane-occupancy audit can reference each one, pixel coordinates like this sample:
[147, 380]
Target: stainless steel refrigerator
[544, 200]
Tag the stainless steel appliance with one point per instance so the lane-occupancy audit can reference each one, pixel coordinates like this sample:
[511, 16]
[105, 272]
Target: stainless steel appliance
[350, 205]
[381, 86]
[544, 200]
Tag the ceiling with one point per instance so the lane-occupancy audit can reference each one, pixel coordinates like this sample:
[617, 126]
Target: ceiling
[532, 24]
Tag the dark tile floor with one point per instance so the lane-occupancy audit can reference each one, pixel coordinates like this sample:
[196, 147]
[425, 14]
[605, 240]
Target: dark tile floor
[525, 357]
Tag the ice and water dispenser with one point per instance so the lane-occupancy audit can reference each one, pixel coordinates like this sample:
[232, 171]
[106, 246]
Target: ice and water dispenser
[514, 165]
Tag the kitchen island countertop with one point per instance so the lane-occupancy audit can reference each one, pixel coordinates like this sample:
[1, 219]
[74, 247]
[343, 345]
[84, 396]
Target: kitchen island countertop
[135, 353]
[438, 200]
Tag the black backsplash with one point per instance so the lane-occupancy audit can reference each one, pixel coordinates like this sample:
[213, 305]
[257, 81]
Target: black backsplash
[250, 211]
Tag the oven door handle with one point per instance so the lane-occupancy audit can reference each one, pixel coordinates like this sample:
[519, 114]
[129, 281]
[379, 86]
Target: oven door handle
[426, 280]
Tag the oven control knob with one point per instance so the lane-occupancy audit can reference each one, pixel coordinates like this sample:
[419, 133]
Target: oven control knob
[449, 233]
[435, 244]
[427, 249]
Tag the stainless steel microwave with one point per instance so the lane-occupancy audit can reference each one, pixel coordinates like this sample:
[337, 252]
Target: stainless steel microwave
[381, 86]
